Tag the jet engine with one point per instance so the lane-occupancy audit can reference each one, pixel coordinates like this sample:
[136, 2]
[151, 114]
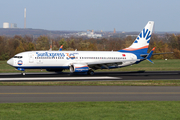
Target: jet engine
[79, 68]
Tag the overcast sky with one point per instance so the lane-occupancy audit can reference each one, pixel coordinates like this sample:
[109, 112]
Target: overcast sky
[124, 15]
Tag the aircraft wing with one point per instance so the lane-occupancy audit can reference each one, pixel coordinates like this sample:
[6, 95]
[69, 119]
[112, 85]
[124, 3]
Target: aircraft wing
[100, 64]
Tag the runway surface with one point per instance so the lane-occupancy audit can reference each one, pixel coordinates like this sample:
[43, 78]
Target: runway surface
[136, 75]
[13, 94]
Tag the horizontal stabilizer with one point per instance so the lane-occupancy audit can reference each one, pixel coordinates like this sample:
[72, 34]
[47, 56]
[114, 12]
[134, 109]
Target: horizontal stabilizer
[162, 53]
[144, 55]
[149, 55]
[150, 61]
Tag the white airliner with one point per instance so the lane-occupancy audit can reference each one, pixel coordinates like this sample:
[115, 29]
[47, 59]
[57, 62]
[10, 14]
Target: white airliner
[86, 61]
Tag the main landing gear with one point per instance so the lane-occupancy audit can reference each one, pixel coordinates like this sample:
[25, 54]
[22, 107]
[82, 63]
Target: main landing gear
[23, 73]
[90, 72]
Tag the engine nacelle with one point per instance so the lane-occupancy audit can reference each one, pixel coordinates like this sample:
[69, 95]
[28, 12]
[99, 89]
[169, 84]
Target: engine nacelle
[79, 68]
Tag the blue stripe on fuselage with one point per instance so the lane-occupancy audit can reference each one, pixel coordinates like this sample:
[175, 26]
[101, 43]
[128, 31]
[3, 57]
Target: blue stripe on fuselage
[136, 52]
[43, 67]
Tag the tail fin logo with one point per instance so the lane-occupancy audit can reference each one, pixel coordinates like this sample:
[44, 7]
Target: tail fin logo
[141, 43]
[146, 34]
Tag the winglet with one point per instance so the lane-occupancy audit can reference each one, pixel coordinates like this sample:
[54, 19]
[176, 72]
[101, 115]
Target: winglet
[150, 54]
[60, 49]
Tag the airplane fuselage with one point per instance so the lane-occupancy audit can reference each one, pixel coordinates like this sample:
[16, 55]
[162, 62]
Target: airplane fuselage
[64, 59]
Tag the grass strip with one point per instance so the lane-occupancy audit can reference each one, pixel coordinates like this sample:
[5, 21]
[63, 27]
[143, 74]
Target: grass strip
[97, 83]
[140, 110]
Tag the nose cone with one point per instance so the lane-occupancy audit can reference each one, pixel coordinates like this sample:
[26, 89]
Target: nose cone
[10, 62]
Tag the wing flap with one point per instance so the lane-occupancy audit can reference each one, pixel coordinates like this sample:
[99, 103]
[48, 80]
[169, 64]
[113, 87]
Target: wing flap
[104, 65]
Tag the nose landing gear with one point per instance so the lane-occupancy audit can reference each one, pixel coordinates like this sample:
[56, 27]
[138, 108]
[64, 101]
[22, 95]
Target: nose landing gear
[23, 71]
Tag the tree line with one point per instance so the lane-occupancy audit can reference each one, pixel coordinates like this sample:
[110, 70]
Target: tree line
[13, 45]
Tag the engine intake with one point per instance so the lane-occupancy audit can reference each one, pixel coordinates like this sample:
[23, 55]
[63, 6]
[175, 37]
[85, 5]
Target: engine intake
[79, 68]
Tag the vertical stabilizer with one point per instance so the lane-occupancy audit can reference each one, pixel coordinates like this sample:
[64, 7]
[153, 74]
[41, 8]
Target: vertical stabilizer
[141, 43]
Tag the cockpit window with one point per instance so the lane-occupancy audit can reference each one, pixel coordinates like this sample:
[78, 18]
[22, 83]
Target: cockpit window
[17, 56]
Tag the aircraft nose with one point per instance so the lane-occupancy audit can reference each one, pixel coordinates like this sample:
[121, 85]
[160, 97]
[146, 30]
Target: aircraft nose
[10, 62]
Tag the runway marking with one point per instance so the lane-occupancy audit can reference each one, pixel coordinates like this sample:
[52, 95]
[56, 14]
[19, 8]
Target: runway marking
[95, 93]
[58, 78]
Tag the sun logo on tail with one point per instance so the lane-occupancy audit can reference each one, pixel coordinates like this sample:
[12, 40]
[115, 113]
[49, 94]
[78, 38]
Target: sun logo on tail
[145, 35]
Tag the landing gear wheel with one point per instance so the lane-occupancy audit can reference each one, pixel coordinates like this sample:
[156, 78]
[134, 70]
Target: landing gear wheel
[23, 73]
[90, 72]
